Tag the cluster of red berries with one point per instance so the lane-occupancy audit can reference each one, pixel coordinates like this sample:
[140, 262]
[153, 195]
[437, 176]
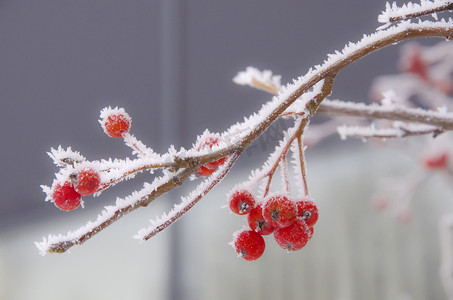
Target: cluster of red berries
[86, 180]
[67, 195]
[289, 220]
[208, 143]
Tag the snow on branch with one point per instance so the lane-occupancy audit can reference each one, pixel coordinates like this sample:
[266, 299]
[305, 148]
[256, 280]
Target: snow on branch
[393, 13]
[398, 130]
[440, 118]
[263, 80]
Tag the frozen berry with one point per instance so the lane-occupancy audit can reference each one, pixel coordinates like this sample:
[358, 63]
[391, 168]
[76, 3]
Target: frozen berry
[249, 244]
[87, 181]
[203, 171]
[65, 196]
[279, 211]
[436, 161]
[241, 202]
[209, 168]
[308, 211]
[115, 122]
[293, 237]
[412, 62]
[257, 222]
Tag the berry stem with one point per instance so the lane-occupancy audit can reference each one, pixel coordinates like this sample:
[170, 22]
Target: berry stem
[300, 148]
[284, 174]
[139, 148]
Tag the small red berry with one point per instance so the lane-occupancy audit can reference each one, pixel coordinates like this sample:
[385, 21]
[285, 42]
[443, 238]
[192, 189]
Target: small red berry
[308, 211]
[279, 211]
[412, 62]
[249, 244]
[257, 222]
[115, 122]
[439, 161]
[87, 181]
[241, 202]
[293, 237]
[65, 196]
[209, 168]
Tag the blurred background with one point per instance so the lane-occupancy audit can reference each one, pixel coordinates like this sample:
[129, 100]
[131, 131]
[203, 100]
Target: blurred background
[169, 63]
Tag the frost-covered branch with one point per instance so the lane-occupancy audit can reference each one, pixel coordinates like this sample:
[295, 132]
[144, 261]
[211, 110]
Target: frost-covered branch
[395, 112]
[408, 11]
[188, 202]
[214, 154]
[398, 130]
[110, 214]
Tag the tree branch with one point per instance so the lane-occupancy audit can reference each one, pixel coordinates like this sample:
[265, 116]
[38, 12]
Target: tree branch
[185, 166]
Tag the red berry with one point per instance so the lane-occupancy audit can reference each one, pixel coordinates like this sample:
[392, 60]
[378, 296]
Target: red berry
[249, 244]
[412, 62]
[308, 211]
[279, 211]
[65, 196]
[436, 161]
[116, 123]
[209, 168]
[257, 222]
[87, 181]
[241, 202]
[293, 237]
[203, 171]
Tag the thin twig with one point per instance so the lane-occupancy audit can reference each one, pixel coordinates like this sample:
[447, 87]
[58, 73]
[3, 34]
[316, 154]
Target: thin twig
[148, 233]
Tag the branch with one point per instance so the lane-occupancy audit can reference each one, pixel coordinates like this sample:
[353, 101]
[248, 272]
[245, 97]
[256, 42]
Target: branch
[410, 11]
[400, 130]
[179, 210]
[394, 112]
[110, 214]
[253, 127]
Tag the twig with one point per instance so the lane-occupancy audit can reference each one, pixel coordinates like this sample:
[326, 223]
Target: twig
[179, 210]
[400, 130]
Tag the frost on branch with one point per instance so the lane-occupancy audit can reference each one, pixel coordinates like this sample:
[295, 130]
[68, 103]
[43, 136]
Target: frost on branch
[213, 154]
[393, 13]
[263, 80]
[62, 157]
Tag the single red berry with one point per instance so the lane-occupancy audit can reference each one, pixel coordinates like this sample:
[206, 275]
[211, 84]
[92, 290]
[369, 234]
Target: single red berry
[65, 196]
[257, 222]
[209, 168]
[87, 181]
[215, 164]
[203, 171]
[241, 202]
[439, 161]
[116, 124]
[308, 211]
[293, 237]
[249, 244]
[279, 211]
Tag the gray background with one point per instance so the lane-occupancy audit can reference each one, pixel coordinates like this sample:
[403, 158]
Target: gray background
[170, 63]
